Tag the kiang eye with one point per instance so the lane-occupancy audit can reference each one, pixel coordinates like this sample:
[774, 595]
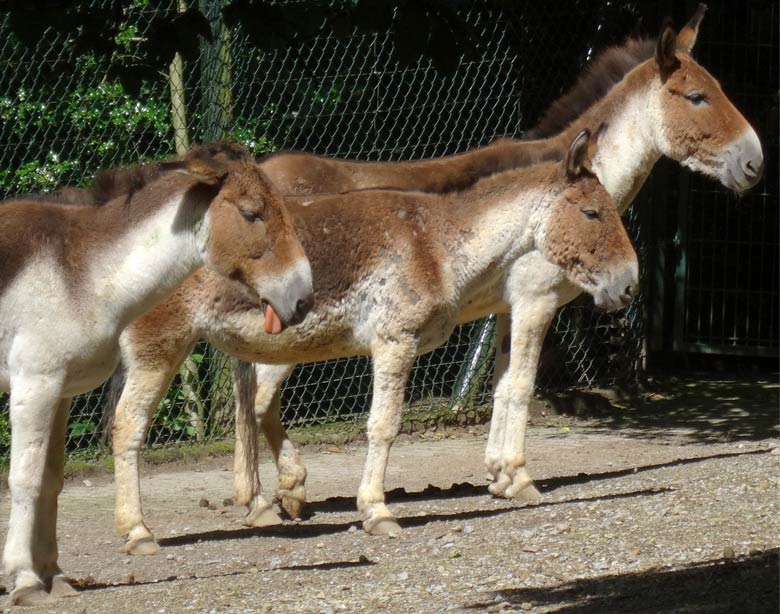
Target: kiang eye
[591, 214]
[251, 216]
[696, 98]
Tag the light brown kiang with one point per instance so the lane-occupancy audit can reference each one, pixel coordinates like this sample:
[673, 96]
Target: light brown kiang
[656, 101]
[73, 276]
[394, 272]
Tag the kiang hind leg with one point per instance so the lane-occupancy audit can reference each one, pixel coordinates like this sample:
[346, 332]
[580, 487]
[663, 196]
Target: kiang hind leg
[291, 487]
[257, 390]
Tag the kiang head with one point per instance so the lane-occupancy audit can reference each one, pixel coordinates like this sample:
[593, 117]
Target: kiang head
[700, 127]
[584, 235]
[251, 237]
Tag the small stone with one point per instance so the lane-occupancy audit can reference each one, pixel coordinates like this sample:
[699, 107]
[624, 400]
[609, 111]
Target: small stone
[320, 544]
[227, 502]
[635, 552]
[728, 552]
[352, 529]
[530, 549]
[562, 527]
[203, 502]
[775, 452]
[763, 485]
[404, 575]
[131, 579]
[179, 558]
[169, 557]
[87, 483]
[468, 529]
[254, 570]
[526, 605]
[212, 506]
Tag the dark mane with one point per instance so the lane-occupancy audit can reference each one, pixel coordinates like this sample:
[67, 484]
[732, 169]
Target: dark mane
[113, 182]
[221, 151]
[600, 76]
[64, 196]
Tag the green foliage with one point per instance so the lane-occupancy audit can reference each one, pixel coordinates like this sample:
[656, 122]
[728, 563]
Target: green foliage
[107, 121]
[81, 428]
[139, 38]
[171, 422]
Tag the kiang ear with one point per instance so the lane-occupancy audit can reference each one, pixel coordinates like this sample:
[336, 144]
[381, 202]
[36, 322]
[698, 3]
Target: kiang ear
[578, 154]
[665, 49]
[593, 146]
[210, 174]
[686, 39]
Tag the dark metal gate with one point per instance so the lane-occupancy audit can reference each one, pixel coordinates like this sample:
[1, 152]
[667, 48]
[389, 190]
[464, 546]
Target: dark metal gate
[726, 273]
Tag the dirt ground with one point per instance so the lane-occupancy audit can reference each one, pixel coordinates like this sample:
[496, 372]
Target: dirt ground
[649, 512]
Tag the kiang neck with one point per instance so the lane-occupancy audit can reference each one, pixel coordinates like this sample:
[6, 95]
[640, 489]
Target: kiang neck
[155, 254]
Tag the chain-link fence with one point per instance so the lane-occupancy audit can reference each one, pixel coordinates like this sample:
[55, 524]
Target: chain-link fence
[60, 121]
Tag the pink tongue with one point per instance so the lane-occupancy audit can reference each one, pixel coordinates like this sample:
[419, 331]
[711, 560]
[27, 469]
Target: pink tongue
[273, 323]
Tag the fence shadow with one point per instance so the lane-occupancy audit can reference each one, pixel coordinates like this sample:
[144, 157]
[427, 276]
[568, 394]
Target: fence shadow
[466, 489]
[303, 531]
[746, 585]
[703, 410]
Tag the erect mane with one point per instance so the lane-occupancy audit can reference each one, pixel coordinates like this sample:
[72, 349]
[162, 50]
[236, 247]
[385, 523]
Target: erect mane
[600, 76]
[124, 180]
[113, 182]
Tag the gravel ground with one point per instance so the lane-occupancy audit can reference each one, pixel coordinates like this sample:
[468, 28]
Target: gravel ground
[629, 523]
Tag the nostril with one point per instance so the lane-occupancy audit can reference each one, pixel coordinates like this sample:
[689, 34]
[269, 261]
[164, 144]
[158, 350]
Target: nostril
[300, 308]
[756, 168]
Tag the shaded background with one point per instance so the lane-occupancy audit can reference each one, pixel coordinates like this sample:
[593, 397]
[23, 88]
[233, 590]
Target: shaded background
[709, 258]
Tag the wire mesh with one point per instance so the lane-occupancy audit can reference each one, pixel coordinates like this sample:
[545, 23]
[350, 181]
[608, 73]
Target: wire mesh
[729, 248]
[60, 121]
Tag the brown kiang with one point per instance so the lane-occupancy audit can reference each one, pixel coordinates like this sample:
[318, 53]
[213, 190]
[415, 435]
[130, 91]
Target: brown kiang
[76, 270]
[695, 124]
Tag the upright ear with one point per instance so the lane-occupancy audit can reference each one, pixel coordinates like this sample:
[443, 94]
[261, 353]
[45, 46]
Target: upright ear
[205, 172]
[578, 153]
[686, 39]
[665, 48]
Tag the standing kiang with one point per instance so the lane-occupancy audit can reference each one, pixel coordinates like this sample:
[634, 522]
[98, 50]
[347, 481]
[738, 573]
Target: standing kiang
[652, 99]
[75, 274]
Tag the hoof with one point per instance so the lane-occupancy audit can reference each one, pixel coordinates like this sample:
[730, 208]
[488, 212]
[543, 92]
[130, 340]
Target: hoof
[145, 546]
[500, 486]
[263, 518]
[31, 595]
[60, 587]
[292, 501]
[386, 527]
[526, 492]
